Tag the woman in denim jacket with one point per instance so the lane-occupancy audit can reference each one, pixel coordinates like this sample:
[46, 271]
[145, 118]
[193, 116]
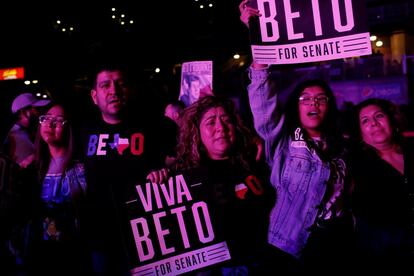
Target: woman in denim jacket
[305, 152]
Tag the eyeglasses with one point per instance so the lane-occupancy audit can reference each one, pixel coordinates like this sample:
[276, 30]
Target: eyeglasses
[305, 100]
[53, 121]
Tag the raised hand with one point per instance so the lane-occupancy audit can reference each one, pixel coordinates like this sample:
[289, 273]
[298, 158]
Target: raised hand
[247, 12]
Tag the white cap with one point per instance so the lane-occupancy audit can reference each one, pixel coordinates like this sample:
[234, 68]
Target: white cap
[26, 100]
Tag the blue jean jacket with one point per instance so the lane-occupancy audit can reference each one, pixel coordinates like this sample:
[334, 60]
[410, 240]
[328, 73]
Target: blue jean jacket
[298, 175]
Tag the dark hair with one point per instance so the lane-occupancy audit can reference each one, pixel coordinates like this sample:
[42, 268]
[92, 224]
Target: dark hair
[191, 151]
[190, 78]
[330, 127]
[42, 153]
[178, 105]
[391, 111]
[111, 67]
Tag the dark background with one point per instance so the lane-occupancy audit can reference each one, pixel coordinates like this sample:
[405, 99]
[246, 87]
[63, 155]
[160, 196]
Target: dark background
[164, 34]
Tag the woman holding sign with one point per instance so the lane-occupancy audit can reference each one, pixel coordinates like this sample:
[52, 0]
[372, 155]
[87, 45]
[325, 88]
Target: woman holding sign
[216, 156]
[309, 224]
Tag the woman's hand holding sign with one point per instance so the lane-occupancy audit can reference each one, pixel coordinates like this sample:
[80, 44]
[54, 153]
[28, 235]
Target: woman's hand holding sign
[247, 12]
[158, 176]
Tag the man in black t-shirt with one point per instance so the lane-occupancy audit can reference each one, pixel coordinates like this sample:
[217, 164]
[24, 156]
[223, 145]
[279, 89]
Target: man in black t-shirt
[118, 153]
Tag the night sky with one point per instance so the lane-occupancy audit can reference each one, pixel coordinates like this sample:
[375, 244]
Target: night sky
[164, 33]
[167, 32]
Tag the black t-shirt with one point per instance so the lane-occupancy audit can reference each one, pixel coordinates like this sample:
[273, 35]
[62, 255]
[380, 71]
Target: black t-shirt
[116, 157]
[172, 132]
[242, 202]
[381, 193]
[13, 205]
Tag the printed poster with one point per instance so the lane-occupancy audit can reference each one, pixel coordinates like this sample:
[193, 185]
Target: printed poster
[297, 31]
[196, 81]
[173, 227]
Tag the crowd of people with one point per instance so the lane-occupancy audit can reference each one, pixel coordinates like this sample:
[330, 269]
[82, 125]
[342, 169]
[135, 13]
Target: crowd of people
[291, 194]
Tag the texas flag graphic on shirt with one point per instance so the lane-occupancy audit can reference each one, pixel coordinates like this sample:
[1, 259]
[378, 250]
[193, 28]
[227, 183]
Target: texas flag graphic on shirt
[241, 190]
[99, 144]
[123, 143]
[120, 144]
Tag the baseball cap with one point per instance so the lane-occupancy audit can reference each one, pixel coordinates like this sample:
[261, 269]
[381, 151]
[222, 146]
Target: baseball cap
[26, 100]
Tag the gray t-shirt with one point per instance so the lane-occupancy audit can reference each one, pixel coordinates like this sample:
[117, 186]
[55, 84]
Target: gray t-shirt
[18, 145]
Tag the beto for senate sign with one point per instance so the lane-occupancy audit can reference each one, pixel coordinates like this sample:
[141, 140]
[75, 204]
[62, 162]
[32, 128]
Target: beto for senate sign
[297, 31]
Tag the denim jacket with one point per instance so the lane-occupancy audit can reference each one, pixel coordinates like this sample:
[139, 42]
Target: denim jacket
[298, 175]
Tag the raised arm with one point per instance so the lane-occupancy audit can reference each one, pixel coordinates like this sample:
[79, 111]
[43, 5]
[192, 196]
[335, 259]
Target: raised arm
[268, 121]
[262, 95]
[246, 14]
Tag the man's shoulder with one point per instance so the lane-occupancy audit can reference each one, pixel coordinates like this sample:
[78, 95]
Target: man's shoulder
[17, 135]
[15, 130]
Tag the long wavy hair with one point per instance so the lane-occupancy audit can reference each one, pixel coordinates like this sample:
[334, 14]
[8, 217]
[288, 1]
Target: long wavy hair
[329, 128]
[397, 121]
[190, 150]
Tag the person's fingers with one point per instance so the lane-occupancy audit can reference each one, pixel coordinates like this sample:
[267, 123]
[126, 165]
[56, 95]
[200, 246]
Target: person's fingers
[248, 13]
[159, 176]
[164, 173]
[151, 177]
[253, 12]
[242, 5]
[259, 152]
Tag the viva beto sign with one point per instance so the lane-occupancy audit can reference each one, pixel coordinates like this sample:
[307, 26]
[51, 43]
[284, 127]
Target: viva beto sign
[296, 31]
[173, 230]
